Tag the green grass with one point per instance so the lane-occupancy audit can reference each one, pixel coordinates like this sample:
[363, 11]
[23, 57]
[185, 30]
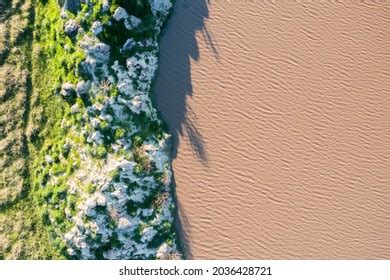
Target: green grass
[35, 158]
[32, 221]
[14, 95]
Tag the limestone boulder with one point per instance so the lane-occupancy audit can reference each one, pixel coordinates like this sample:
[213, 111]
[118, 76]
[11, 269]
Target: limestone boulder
[120, 14]
[71, 27]
[67, 89]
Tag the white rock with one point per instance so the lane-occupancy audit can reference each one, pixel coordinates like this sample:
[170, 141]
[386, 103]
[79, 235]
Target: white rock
[105, 6]
[81, 30]
[74, 109]
[130, 43]
[123, 223]
[67, 89]
[107, 117]
[136, 102]
[132, 22]
[96, 137]
[148, 234]
[68, 215]
[101, 51]
[95, 122]
[67, 145]
[128, 25]
[86, 253]
[71, 252]
[100, 199]
[161, 6]
[72, 187]
[95, 49]
[89, 207]
[67, 48]
[97, 27]
[120, 14]
[137, 195]
[163, 250]
[71, 27]
[48, 159]
[64, 14]
[81, 88]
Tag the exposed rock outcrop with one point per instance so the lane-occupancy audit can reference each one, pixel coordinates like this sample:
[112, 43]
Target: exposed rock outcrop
[120, 14]
[122, 180]
[72, 6]
[67, 89]
[71, 27]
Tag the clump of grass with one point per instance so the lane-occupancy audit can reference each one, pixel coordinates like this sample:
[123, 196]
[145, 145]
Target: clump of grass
[90, 188]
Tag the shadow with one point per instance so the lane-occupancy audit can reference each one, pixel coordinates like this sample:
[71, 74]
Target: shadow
[182, 225]
[9, 8]
[4, 9]
[178, 46]
[173, 83]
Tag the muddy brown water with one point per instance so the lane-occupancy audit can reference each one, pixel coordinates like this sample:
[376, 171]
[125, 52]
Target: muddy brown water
[281, 114]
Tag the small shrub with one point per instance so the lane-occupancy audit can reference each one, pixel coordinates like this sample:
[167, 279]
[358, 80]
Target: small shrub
[46, 217]
[91, 188]
[72, 203]
[58, 216]
[138, 169]
[139, 8]
[115, 174]
[101, 152]
[104, 125]
[131, 208]
[114, 241]
[137, 140]
[101, 209]
[119, 133]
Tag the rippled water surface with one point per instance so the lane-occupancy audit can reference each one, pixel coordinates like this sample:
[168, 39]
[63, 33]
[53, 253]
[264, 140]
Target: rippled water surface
[281, 114]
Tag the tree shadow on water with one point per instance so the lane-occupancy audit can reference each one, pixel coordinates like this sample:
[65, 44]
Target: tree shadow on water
[173, 84]
[182, 225]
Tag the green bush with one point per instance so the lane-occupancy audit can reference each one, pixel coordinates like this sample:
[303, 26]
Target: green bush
[131, 208]
[46, 217]
[90, 188]
[119, 133]
[115, 174]
[139, 8]
[101, 152]
[58, 216]
[72, 203]
[137, 140]
[104, 125]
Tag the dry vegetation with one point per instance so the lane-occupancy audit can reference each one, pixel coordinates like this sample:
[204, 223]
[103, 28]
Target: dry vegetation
[14, 87]
[13, 100]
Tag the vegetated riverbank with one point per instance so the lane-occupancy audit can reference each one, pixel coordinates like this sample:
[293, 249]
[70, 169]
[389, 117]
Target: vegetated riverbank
[100, 170]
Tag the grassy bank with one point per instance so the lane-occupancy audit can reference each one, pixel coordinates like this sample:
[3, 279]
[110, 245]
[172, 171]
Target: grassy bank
[90, 166]
[22, 234]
